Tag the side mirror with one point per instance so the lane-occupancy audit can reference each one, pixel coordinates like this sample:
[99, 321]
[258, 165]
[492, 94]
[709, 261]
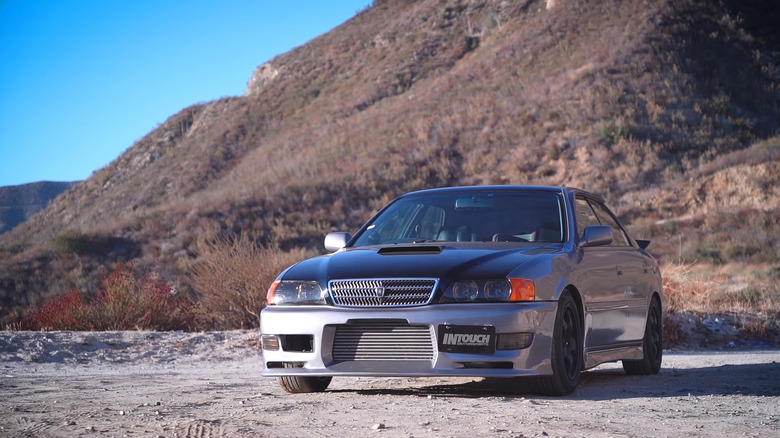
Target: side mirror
[337, 240]
[596, 235]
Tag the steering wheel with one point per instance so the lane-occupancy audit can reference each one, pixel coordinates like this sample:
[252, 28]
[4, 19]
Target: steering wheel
[503, 237]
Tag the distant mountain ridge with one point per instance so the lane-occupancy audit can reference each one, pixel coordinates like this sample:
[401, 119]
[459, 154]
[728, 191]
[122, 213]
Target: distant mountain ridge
[19, 202]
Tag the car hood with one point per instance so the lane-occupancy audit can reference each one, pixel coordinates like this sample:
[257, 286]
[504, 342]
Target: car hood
[415, 261]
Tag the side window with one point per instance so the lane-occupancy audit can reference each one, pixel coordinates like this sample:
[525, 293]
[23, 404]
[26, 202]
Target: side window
[392, 229]
[585, 215]
[606, 218]
[430, 224]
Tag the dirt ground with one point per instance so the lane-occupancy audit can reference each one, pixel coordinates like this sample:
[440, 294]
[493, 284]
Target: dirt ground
[147, 384]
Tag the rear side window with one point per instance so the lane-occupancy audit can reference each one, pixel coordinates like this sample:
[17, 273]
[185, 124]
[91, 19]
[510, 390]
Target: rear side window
[585, 215]
[605, 217]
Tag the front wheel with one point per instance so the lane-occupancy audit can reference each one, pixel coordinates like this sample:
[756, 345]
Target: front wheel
[566, 355]
[303, 384]
[652, 345]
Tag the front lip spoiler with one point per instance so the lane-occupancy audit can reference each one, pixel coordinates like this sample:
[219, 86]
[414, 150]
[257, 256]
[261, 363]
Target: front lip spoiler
[455, 372]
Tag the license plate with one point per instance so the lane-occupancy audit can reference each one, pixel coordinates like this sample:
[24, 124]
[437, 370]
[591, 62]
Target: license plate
[467, 338]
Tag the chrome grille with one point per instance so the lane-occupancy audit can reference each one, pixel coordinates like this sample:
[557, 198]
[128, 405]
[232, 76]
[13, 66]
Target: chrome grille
[382, 341]
[382, 292]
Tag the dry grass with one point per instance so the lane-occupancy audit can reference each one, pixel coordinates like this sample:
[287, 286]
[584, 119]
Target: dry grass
[745, 297]
[690, 288]
[686, 291]
[232, 276]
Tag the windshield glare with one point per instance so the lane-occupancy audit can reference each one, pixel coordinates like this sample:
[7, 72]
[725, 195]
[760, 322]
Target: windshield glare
[469, 217]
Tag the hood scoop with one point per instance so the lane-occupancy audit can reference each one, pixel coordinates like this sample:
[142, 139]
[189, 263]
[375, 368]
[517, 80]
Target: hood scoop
[409, 250]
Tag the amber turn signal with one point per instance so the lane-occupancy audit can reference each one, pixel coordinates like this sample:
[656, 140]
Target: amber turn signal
[522, 290]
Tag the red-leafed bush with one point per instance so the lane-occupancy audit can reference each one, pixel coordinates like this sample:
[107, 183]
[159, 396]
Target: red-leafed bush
[125, 301]
[65, 311]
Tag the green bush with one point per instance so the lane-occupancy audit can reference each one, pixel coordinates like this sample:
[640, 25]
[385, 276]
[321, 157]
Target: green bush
[72, 241]
[612, 132]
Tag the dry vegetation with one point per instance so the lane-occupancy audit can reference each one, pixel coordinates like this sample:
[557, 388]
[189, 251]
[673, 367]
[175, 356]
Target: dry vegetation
[706, 288]
[125, 300]
[669, 108]
[746, 298]
[231, 277]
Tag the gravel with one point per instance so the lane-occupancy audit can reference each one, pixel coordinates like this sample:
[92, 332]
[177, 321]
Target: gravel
[140, 384]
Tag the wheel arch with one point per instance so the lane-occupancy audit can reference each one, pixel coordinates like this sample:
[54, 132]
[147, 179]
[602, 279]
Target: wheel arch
[657, 296]
[575, 294]
[660, 298]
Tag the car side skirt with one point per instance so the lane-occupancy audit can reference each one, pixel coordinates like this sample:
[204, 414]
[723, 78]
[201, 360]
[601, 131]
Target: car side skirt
[594, 357]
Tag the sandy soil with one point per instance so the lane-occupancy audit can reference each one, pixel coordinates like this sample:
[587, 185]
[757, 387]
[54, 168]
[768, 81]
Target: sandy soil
[140, 384]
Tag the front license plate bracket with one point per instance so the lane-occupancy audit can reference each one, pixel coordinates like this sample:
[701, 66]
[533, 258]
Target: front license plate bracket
[475, 339]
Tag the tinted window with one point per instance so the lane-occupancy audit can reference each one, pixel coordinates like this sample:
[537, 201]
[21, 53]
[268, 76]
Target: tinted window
[394, 224]
[431, 222]
[503, 216]
[585, 216]
[606, 218]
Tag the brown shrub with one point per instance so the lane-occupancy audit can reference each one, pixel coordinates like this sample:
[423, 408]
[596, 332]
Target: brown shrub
[232, 276]
[684, 291]
[717, 292]
[124, 301]
[127, 302]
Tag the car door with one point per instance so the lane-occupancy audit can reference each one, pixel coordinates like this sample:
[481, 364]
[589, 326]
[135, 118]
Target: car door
[633, 274]
[599, 283]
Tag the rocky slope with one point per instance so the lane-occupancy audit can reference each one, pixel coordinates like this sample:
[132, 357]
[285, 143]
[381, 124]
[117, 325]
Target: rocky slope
[657, 104]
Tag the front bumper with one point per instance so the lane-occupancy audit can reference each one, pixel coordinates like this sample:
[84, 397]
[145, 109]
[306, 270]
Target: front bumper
[316, 326]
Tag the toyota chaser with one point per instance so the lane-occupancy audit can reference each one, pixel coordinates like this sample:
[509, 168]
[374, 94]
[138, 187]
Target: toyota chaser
[532, 284]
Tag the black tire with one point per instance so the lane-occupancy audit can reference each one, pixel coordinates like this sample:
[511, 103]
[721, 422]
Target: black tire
[303, 384]
[652, 345]
[566, 354]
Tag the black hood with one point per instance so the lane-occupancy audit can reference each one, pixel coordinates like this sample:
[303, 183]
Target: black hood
[452, 262]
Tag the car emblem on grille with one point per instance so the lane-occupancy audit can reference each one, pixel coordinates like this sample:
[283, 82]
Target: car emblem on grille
[381, 292]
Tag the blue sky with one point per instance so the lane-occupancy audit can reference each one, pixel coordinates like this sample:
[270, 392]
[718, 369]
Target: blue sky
[81, 80]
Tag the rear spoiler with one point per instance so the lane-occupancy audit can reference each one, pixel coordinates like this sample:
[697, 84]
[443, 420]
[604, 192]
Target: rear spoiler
[643, 243]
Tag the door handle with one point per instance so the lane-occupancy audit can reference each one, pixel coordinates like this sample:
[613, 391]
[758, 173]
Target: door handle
[619, 271]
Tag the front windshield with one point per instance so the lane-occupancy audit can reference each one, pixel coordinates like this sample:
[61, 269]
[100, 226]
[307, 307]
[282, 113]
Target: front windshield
[500, 216]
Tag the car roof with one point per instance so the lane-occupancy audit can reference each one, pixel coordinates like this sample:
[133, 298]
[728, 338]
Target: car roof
[554, 189]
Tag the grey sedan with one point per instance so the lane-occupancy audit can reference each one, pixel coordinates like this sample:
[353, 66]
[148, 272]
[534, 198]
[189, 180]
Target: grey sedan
[531, 284]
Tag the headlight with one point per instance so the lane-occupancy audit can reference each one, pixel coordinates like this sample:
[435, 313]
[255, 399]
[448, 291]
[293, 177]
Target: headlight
[283, 293]
[465, 291]
[498, 290]
[490, 291]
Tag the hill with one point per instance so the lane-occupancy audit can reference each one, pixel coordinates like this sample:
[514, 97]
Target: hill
[17, 203]
[668, 108]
